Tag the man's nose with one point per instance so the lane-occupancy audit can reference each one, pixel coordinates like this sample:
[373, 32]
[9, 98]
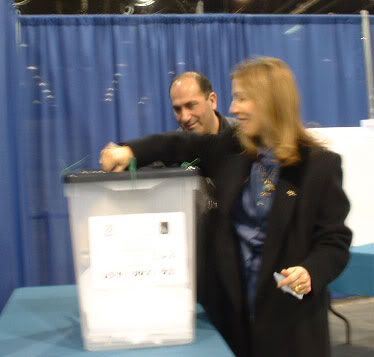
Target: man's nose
[185, 115]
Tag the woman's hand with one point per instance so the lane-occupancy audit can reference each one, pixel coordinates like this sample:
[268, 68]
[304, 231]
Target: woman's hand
[115, 158]
[298, 279]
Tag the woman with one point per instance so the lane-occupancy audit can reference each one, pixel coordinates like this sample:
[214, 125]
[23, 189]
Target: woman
[280, 208]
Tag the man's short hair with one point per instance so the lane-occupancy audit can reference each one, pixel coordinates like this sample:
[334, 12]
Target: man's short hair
[204, 83]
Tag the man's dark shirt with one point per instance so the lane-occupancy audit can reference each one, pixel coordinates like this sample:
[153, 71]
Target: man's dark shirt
[224, 123]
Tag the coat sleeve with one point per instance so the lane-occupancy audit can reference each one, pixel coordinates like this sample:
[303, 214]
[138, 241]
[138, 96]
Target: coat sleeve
[177, 147]
[180, 146]
[331, 237]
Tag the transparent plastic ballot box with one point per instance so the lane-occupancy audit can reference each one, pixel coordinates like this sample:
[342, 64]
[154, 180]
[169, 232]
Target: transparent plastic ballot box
[133, 238]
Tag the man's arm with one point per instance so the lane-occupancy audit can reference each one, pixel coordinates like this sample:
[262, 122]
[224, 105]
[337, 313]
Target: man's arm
[169, 148]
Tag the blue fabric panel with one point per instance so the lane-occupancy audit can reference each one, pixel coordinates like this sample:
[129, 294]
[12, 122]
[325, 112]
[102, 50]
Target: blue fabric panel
[11, 253]
[137, 56]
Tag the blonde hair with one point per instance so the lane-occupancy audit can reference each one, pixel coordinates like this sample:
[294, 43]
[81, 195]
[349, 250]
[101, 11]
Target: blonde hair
[270, 83]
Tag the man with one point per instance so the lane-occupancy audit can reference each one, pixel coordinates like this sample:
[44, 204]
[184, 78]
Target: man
[195, 107]
[195, 104]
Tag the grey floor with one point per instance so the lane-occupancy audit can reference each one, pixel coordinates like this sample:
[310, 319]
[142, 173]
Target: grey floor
[360, 313]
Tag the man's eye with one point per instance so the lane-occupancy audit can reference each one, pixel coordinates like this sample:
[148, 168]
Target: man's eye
[191, 105]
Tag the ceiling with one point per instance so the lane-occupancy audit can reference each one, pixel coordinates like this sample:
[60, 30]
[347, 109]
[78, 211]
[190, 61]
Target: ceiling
[189, 6]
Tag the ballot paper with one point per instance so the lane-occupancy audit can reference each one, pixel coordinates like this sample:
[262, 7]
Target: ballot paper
[137, 288]
[286, 289]
[145, 249]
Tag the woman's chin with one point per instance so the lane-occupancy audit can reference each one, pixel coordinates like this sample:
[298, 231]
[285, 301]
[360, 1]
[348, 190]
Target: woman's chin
[248, 131]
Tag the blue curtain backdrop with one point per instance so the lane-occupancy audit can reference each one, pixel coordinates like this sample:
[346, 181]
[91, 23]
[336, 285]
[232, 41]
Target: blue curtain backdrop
[11, 258]
[83, 81]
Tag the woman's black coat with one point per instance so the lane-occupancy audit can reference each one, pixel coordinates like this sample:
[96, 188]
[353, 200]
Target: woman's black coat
[306, 228]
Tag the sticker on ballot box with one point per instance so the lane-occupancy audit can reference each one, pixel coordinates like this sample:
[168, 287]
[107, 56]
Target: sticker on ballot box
[146, 249]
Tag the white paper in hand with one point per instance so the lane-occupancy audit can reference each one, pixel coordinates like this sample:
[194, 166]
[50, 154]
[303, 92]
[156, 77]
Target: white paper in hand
[286, 289]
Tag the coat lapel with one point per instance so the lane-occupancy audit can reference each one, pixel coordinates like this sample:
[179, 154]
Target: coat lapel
[235, 175]
[286, 196]
[237, 169]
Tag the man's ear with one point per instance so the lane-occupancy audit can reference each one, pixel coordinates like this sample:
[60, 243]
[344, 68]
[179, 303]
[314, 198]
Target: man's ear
[213, 99]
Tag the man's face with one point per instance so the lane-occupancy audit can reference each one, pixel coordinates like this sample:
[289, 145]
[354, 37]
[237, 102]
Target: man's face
[193, 110]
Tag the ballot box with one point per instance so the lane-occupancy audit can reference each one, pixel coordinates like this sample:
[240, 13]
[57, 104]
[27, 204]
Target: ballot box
[133, 238]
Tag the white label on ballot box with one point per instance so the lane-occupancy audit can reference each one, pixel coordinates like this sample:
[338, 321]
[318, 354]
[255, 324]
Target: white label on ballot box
[145, 249]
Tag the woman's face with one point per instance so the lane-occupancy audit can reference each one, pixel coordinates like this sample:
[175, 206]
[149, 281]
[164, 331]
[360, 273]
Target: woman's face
[244, 109]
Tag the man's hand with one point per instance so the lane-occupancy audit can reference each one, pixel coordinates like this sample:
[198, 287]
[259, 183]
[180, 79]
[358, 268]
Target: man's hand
[298, 279]
[115, 158]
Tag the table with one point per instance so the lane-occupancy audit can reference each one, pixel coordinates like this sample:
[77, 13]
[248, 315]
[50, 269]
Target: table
[44, 321]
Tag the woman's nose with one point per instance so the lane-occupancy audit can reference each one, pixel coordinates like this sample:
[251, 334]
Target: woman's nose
[233, 108]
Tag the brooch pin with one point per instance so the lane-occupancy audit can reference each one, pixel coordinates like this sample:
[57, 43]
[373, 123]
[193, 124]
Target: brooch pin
[291, 193]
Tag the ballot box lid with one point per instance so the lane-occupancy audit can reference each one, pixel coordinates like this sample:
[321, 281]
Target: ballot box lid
[86, 176]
